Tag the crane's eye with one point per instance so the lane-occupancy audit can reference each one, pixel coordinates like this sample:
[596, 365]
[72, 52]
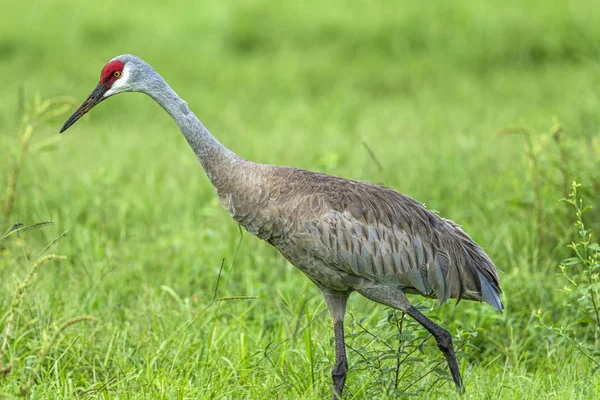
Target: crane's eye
[117, 74]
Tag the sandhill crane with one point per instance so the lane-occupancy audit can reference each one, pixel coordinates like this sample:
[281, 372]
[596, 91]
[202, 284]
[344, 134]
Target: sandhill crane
[345, 235]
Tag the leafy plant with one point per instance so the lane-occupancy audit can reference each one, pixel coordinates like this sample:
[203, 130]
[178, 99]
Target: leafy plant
[581, 276]
[399, 354]
[34, 114]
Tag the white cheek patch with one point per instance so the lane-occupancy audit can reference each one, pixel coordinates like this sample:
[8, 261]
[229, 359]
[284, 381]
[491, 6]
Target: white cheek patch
[121, 84]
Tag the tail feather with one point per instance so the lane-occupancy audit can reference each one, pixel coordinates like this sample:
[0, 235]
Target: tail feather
[489, 294]
[476, 273]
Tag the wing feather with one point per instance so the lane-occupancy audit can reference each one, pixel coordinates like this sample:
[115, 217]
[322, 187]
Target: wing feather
[389, 238]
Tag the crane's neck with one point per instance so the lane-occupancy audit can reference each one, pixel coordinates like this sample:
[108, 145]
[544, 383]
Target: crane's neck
[216, 159]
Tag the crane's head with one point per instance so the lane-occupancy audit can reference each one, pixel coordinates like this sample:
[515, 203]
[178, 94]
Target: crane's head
[124, 73]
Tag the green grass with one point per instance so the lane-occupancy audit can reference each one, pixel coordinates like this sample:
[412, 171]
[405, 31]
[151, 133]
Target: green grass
[426, 85]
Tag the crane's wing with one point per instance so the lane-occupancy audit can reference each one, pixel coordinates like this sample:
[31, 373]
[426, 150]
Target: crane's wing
[374, 232]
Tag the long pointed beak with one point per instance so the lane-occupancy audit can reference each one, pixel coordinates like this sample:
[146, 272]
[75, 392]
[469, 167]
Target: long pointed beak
[94, 98]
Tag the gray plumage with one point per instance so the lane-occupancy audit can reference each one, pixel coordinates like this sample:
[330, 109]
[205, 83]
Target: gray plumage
[351, 235]
[344, 235]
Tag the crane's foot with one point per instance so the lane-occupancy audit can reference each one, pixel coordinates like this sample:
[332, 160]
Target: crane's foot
[339, 378]
[444, 342]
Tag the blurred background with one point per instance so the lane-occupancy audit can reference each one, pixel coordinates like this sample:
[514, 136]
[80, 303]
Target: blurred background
[484, 111]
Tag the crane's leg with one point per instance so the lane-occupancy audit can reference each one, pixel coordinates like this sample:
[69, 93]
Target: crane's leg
[336, 304]
[395, 298]
[444, 343]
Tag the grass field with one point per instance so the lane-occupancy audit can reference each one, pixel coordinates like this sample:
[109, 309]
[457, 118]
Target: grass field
[484, 112]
